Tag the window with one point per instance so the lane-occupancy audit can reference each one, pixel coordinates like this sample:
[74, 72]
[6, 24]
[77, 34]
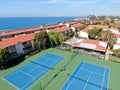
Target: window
[12, 47]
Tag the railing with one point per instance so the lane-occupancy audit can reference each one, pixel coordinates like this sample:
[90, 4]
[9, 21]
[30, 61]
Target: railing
[27, 50]
[27, 45]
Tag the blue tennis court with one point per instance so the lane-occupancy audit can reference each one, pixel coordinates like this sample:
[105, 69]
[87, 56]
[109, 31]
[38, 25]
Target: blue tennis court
[28, 74]
[88, 77]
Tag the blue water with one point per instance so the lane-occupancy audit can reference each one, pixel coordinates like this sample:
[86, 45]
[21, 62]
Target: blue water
[8, 23]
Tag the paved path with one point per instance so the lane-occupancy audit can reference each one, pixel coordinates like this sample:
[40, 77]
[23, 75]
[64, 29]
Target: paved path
[107, 55]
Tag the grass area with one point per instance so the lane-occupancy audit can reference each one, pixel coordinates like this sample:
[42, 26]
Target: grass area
[114, 59]
[50, 83]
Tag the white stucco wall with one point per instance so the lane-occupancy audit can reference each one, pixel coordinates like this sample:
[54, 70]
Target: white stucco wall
[19, 48]
[67, 25]
[83, 34]
[114, 31]
[73, 29]
[118, 40]
[116, 46]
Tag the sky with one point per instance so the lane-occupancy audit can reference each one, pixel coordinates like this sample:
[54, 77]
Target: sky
[36, 8]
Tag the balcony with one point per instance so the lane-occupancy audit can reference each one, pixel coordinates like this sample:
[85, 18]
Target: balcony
[12, 50]
[14, 55]
[27, 50]
[27, 45]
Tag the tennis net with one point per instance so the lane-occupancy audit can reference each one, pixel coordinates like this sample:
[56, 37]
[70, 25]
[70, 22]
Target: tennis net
[92, 83]
[41, 64]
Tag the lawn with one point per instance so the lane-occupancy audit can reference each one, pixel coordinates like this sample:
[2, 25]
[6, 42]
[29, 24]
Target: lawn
[51, 82]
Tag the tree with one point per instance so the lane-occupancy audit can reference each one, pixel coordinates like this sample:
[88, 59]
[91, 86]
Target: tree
[119, 29]
[62, 38]
[108, 36]
[41, 40]
[117, 52]
[76, 34]
[80, 28]
[93, 33]
[101, 17]
[92, 17]
[4, 55]
[54, 38]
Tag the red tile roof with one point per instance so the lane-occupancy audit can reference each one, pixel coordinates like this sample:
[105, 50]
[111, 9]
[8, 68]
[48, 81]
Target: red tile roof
[90, 44]
[14, 40]
[37, 28]
[53, 26]
[97, 26]
[71, 22]
[21, 31]
[115, 28]
[61, 29]
[93, 26]
[117, 35]
[78, 25]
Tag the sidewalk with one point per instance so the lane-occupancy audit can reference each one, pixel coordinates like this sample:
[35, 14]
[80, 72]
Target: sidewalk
[107, 55]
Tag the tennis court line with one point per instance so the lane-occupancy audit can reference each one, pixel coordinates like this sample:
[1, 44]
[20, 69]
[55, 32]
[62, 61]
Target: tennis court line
[102, 67]
[70, 75]
[37, 77]
[27, 84]
[27, 74]
[92, 72]
[11, 84]
[103, 79]
[11, 74]
[55, 54]
[38, 58]
[75, 75]
[87, 80]
[108, 77]
[60, 57]
[27, 65]
[42, 73]
[51, 64]
[55, 61]
[34, 68]
[98, 74]
[48, 59]
[96, 65]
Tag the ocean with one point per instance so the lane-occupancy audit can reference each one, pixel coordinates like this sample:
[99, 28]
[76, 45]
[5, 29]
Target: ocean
[12, 23]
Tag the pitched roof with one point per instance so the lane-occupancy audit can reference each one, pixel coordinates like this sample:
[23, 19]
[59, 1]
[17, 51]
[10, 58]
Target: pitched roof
[51, 26]
[14, 40]
[21, 31]
[61, 29]
[97, 26]
[89, 44]
[37, 28]
[117, 35]
[71, 22]
[78, 25]
[115, 28]
[93, 26]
